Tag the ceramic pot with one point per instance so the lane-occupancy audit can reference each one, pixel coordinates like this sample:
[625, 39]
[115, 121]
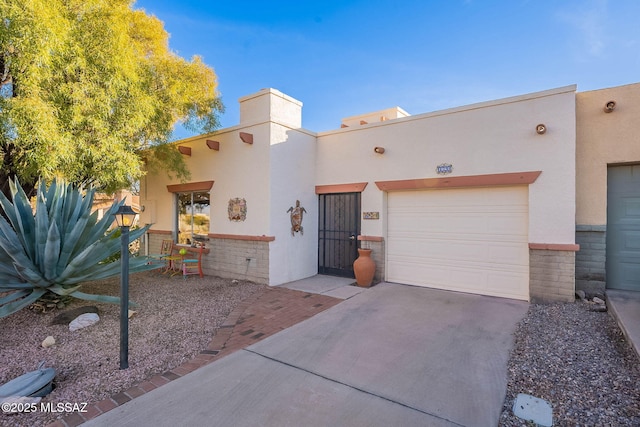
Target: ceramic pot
[364, 268]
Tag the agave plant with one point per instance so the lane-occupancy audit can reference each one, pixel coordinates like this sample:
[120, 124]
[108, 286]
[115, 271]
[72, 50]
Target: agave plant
[58, 247]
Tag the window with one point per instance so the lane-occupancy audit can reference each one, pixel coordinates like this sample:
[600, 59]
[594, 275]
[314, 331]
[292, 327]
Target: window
[193, 217]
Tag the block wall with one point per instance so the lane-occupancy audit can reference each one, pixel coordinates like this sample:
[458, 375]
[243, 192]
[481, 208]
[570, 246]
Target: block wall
[228, 258]
[591, 259]
[551, 276]
[237, 259]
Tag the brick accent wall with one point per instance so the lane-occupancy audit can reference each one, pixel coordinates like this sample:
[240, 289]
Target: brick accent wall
[229, 258]
[591, 259]
[377, 255]
[551, 276]
[155, 242]
[237, 259]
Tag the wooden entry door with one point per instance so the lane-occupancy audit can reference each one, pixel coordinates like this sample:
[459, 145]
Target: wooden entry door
[623, 227]
[339, 227]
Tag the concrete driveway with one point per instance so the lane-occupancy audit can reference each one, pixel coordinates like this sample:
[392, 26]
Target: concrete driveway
[391, 355]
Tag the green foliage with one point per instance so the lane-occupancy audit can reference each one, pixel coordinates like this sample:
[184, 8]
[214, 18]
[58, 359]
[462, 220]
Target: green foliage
[90, 88]
[58, 247]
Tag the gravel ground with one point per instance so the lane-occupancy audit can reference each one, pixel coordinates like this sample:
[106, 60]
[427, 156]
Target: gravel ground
[579, 361]
[175, 320]
[573, 357]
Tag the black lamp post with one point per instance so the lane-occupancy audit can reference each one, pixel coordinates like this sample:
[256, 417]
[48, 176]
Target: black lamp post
[124, 217]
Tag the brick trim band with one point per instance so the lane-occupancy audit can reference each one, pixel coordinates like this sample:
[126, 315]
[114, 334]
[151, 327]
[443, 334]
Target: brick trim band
[356, 187]
[371, 238]
[159, 232]
[190, 186]
[555, 246]
[243, 237]
[514, 178]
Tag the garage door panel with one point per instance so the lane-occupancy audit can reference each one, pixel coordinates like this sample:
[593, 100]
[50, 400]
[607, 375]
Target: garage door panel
[470, 240]
[499, 253]
[472, 278]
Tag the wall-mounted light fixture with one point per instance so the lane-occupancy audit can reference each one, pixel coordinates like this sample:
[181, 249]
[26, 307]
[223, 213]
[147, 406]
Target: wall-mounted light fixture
[379, 150]
[609, 106]
[541, 129]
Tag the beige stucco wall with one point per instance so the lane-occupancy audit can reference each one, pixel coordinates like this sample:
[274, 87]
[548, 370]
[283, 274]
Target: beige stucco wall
[238, 169]
[270, 174]
[293, 154]
[603, 139]
[487, 138]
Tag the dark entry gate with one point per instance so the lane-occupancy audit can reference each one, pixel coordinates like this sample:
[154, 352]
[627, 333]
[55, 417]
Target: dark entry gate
[339, 227]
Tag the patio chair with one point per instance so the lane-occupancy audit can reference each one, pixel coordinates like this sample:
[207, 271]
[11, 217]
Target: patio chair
[193, 265]
[172, 261]
[165, 251]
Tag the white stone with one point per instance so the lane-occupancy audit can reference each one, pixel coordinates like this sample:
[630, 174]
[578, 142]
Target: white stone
[132, 313]
[19, 401]
[48, 341]
[83, 321]
[598, 300]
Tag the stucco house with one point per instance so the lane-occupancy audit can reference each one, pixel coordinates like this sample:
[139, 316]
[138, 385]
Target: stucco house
[608, 189]
[480, 198]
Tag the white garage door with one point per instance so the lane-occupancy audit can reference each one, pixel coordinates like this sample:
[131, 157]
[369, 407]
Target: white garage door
[469, 240]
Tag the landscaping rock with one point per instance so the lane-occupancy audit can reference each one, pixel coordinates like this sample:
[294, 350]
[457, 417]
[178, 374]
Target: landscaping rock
[48, 342]
[66, 317]
[598, 300]
[83, 321]
[580, 293]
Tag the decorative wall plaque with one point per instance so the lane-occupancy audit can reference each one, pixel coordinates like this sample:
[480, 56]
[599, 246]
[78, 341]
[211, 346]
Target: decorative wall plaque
[296, 218]
[370, 215]
[444, 169]
[237, 209]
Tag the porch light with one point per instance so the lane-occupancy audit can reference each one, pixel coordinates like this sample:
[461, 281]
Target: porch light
[609, 106]
[124, 217]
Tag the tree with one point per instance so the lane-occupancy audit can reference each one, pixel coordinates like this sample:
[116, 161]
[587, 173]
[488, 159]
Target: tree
[90, 92]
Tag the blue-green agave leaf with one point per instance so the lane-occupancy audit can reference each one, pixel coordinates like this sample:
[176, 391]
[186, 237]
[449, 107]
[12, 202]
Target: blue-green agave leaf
[14, 306]
[51, 252]
[14, 296]
[25, 224]
[8, 287]
[32, 276]
[101, 298]
[62, 290]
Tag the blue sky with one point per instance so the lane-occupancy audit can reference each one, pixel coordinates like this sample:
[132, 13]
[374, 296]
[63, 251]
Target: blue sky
[344, 58]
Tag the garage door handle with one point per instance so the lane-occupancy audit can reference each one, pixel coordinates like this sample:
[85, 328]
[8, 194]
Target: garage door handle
[352, 237]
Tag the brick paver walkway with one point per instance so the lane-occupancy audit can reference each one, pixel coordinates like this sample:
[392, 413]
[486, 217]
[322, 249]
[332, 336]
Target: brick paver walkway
[255, 319]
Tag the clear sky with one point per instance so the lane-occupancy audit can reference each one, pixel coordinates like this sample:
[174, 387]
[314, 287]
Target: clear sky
[344, 58]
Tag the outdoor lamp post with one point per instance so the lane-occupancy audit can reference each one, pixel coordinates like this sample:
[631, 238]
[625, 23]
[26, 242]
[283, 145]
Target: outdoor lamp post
[124, 217]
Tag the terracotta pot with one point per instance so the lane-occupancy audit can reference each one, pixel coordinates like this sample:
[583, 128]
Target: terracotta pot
[364, 268]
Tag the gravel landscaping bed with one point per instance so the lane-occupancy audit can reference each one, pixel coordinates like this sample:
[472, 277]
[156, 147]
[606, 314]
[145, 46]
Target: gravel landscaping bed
[176, 319]
[577, 360]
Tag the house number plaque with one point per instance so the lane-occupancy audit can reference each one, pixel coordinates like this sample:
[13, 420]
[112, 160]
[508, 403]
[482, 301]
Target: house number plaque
[444, 169]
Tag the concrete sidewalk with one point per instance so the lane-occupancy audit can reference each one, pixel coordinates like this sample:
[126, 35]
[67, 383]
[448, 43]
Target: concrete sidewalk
[624, 306]
[388, 355]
